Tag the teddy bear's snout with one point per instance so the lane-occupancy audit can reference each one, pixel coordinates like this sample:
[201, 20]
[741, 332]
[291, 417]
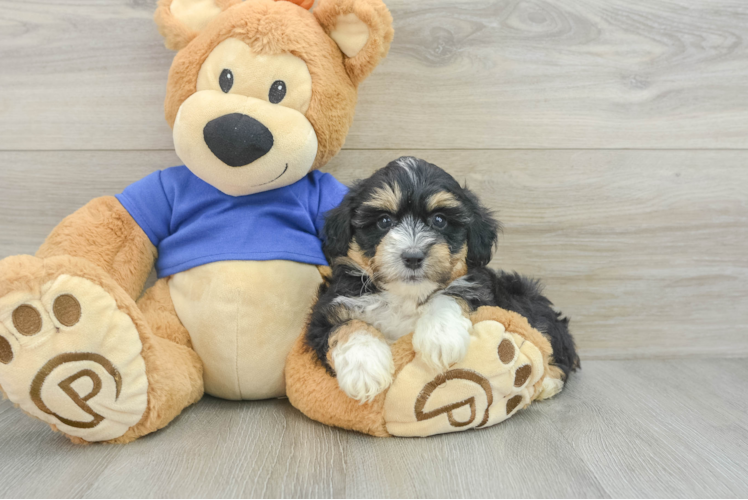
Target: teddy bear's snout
[237, 139]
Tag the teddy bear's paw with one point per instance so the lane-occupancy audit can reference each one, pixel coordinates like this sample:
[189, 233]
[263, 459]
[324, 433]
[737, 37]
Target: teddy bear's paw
[494, 380]
[363, 366]
[70, 357]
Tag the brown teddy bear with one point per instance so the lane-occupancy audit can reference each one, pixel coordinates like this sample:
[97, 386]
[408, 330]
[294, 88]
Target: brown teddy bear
[259, 96]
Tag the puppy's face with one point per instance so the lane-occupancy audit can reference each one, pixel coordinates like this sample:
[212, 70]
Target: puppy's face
[411, 228]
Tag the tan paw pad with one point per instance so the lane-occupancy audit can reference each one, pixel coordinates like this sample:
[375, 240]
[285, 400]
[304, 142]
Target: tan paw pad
[71, 358]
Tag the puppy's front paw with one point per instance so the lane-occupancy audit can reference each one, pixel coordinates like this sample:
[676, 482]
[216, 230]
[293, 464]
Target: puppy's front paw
[363, 365]
[442, 334]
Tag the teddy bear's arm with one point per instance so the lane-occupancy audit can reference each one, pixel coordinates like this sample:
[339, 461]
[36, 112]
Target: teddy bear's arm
[106, 235]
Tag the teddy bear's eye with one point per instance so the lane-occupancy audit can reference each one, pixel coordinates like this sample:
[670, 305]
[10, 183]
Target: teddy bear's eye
[226, 80]
[277, 91]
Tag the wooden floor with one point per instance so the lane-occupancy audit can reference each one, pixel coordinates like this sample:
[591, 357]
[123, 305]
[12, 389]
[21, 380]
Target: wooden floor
[611, 137]
[621, 429]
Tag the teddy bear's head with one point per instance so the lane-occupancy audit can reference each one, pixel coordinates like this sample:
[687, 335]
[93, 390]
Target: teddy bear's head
[263, 91]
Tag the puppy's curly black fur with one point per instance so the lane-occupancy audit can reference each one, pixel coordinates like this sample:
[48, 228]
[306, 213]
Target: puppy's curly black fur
[523, 295]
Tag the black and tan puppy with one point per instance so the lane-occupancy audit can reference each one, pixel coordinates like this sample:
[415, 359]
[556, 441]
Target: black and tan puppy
[409, 248]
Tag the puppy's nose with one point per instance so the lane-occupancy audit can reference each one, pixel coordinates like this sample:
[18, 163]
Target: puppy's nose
[413, 259]
[237, 139]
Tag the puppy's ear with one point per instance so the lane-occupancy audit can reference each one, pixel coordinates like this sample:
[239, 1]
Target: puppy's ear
[483, 233]
[338, 230]
[361, 28]
[179, 21]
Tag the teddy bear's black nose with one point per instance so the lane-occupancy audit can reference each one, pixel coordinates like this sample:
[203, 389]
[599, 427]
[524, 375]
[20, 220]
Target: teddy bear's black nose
[237, 139]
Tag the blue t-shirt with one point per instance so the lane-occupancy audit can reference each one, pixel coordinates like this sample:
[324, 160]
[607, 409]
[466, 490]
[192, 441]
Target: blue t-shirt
[192, 223]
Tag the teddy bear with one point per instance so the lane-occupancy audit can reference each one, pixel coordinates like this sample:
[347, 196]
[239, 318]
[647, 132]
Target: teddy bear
[260, 95]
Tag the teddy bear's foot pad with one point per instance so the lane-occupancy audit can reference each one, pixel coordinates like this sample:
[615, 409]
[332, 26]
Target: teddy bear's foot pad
[70, 357]
[496, 378]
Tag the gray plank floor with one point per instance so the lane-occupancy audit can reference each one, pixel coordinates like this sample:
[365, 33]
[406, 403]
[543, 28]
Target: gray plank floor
[621, 429]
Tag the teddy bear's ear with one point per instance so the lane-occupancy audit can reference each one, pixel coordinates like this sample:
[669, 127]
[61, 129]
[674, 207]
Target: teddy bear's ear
[179, 21]
[361, 28]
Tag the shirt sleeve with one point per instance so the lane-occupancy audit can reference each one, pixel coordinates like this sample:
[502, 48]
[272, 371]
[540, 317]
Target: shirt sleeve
[147, 203]
[331, 193]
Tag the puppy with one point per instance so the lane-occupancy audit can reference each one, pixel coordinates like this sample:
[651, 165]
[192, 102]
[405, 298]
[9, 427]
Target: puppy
[409, 248]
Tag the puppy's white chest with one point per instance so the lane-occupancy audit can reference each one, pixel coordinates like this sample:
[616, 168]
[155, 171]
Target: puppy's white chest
[394, 316]
[399, 319]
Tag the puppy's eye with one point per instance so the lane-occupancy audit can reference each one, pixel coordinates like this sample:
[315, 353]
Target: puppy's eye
[277, 91]
[226, 80]
[384, 222]
[439, 221]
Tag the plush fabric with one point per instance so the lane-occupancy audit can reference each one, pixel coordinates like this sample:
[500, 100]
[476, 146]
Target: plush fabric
[70, 386]
[293, 146]
[236, 106]
[174, 373]
[192, 223]
[181, 25]
[195, 14]
[243, 348]
[479, 391]
[103, 233]
[502, 373]
[374, 15]
[350, 33]
[158, 309]
[269, 27]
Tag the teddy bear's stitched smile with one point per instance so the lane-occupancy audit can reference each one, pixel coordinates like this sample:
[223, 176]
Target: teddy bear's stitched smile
[268, 182]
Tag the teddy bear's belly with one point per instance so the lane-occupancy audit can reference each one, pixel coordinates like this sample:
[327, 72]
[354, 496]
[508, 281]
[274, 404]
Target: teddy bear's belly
[243, 318]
